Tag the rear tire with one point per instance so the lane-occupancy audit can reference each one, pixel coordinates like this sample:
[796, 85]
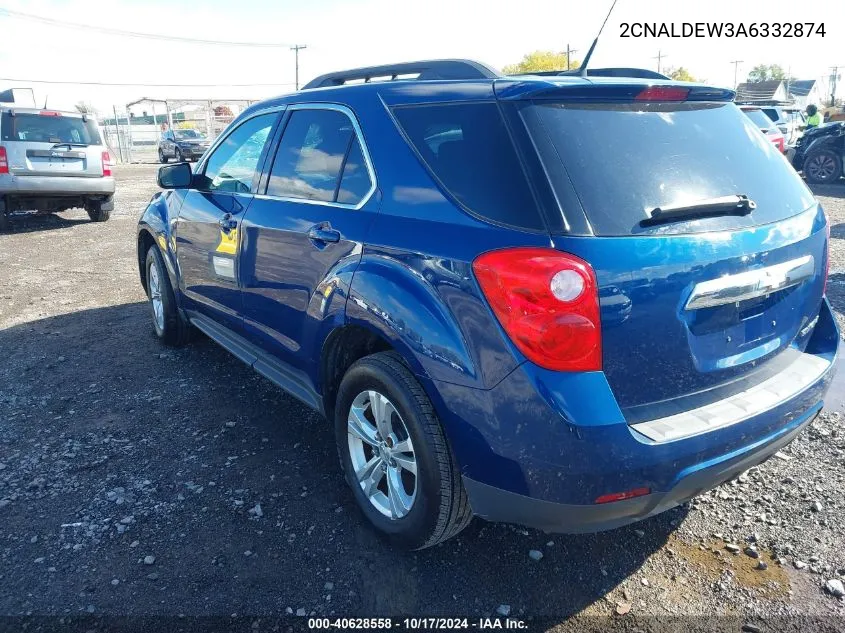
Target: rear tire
[169, 324]
[823, 167]
[4, 218]
[438, 507]
[161, 157]
[100, 210]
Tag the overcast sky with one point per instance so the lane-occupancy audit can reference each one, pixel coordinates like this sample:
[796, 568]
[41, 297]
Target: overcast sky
[343, 34]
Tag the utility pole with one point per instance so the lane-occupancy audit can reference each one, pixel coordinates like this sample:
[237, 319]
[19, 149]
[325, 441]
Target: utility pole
[569, 52]
[659, 58]
[834, 77]
[736, 64]
[296, 49]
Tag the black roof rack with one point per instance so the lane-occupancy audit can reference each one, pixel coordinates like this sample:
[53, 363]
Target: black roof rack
[638, 73]
[424, 70]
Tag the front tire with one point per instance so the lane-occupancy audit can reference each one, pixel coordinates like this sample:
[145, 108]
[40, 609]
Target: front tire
[395, 456]
[179, 157]
[169, 324]
[823, 167]
[161, 157]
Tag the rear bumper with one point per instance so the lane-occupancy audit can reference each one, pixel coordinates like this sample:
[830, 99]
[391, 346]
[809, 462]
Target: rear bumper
[495, 504]
[11, 184]
[541, 447]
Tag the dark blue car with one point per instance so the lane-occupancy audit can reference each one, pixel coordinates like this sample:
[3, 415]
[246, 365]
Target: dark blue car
[566, 302]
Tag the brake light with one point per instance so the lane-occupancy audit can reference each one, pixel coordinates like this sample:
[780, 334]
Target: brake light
[779, 143]
[662, 93]
[548, 304]
[621, 496]
[4, 161]
[50, 113]
[108, 163]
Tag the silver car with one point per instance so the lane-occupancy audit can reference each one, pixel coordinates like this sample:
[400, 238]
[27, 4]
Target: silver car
[51, 161]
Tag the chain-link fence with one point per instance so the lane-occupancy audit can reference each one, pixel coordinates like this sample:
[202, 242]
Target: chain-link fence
[132, 132]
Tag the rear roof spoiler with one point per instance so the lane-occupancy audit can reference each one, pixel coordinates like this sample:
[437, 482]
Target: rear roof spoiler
[636, 73]
[442, 69]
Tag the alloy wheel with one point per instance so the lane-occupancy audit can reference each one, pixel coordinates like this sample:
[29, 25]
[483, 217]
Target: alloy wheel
[154, 284]
[382, 454]
[821, 167]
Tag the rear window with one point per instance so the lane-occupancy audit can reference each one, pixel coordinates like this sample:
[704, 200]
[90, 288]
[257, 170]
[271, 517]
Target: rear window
[759, 118]
[42, 128]
[624, 160]
[467, 148]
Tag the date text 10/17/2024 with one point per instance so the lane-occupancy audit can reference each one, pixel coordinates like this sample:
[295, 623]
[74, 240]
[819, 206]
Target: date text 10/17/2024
[421, 623]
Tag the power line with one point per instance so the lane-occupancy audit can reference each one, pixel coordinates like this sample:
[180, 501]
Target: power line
[152, 36]
[143, 85]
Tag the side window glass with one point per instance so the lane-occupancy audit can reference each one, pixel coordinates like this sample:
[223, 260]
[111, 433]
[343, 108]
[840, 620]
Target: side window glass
[311, 156]
[232, 165]
[355, 182]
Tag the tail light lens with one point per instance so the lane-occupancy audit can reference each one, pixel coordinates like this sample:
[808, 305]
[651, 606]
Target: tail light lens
[547, 303]
[4, 161]
[108, 163]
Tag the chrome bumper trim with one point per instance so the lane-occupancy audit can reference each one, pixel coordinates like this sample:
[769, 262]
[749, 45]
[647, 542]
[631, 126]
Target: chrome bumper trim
[770, 393]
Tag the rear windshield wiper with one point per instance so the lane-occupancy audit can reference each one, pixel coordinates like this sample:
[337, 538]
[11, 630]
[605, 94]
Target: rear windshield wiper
[723, 205]
[69, 145]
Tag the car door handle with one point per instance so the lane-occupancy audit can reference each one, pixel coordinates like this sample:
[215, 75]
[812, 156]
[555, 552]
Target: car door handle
[323, 233]
[227, 223]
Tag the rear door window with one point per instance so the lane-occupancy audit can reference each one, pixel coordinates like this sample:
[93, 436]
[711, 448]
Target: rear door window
[320, 158]
[468, 150]
[52, 127]
[625, 159]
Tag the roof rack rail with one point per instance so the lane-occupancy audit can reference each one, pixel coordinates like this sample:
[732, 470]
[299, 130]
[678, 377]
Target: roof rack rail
[423, 70]
[638, 73]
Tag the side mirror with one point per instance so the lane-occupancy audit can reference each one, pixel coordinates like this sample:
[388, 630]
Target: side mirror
[178, 176]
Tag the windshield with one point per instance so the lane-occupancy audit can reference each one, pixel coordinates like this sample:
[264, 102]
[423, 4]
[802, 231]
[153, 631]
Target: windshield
[188, 134]
[49, 128]
[624, 160]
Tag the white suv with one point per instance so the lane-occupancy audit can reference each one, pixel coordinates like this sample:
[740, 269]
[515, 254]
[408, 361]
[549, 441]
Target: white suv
[51, 161]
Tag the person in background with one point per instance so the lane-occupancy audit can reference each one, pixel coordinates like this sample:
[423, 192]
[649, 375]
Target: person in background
[814, 119]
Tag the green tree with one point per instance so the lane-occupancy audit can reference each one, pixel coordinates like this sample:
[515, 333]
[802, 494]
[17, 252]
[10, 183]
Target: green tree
[540, 61]
[680, 74]
[767, 72]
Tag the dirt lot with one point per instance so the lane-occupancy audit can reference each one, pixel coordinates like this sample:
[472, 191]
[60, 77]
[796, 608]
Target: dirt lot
[138, 480]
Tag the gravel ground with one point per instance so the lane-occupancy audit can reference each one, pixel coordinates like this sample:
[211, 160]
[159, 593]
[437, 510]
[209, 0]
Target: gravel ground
[138, 480]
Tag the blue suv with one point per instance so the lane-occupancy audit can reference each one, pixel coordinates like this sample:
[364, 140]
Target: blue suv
[562, 301]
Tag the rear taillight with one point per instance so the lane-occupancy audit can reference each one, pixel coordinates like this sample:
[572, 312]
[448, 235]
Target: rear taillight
[781, 145]
[108, 163]
[547, 303]
[4, 161]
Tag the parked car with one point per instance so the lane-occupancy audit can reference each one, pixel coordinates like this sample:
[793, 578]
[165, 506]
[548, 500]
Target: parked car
[500, 308]
[766, 126]
[790, 120]
[182, 145]
[51, 161]
[820, 152]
